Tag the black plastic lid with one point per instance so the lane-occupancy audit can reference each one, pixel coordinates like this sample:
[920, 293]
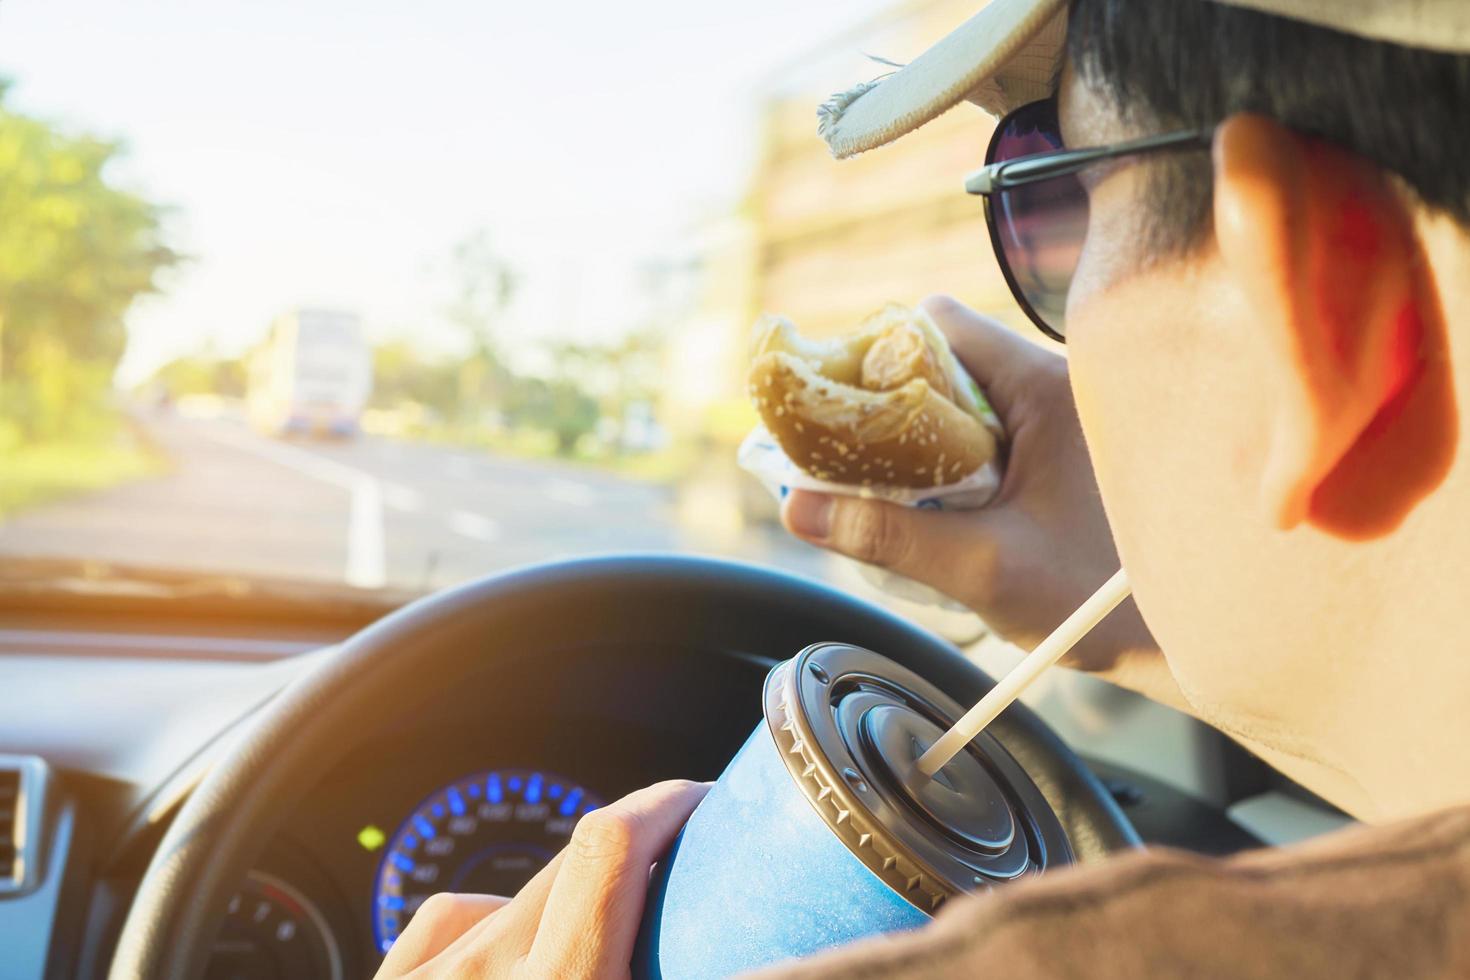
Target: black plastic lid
[851, 725]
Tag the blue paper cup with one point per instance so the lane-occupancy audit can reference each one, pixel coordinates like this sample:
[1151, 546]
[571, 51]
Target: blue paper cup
[820, 831]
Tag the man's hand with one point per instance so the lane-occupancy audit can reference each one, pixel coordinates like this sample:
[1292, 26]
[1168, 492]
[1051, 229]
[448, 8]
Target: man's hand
[1041, 547]
[577, 918]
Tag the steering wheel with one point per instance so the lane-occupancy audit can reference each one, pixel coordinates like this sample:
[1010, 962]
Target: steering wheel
[442, 640]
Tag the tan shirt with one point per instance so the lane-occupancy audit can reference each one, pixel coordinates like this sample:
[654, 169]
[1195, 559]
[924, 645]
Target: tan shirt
[1390, 901]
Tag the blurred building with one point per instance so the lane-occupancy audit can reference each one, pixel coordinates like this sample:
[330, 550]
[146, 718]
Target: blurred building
[837, 240]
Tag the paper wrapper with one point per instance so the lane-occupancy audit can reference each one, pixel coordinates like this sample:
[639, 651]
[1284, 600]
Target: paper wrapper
[761, 455]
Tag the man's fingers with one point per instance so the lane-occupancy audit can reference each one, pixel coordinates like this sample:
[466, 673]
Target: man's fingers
[953, 552]
[577, 917]
[499, 938]
[591, 916]
[437, 925]
[513, 931]
[1000, 360]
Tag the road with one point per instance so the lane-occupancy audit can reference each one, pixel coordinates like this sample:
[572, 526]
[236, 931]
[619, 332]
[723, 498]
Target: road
[368, 512]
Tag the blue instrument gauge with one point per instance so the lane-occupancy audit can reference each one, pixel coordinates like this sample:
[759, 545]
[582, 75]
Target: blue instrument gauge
[488, 833]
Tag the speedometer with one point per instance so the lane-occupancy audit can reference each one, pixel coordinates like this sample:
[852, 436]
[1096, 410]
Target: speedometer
[272, 930]
[487, 833]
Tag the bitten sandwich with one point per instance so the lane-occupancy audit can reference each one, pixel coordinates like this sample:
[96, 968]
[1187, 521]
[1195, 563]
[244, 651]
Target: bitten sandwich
[887, 406]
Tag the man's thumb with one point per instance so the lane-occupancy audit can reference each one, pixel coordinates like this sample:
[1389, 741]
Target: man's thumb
[868, 530]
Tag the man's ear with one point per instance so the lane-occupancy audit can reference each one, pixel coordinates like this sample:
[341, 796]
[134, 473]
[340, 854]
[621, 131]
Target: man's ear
[1364, 423]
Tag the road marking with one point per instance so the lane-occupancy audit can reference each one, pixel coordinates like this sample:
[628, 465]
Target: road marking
[473, 525]
[403, 498]
[367, 558]
[367, 552]
[571, 493]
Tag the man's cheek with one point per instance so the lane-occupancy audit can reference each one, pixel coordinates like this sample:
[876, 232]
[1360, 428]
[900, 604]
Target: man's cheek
[1137, 430]
[1106, 412]
[1102, 355]
[1088, 398]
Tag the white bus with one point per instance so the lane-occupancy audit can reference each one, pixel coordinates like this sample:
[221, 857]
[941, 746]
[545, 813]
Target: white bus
[312, 376]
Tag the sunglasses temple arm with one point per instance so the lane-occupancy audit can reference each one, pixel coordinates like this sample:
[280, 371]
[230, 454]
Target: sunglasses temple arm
[1009, 173]
[1025, 170]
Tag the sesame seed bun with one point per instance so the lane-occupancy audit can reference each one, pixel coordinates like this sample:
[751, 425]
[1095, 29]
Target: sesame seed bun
[887, 406]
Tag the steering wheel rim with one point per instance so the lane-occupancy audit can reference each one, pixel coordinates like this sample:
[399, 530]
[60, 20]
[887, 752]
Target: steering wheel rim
[429, 644]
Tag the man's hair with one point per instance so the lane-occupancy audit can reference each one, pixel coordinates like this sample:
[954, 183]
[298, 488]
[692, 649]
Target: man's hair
[1171, 64]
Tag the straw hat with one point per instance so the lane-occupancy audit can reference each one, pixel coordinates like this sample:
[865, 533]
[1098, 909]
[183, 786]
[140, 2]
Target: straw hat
[1010, 53]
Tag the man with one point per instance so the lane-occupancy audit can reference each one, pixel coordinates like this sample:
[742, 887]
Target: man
[1268, 329]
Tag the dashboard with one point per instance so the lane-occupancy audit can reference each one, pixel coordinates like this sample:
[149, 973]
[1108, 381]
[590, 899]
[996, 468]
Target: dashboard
[473, 791]
[336, 887]
[477, 799]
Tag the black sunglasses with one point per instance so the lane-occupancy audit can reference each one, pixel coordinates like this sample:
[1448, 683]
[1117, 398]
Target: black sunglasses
[1036, 206]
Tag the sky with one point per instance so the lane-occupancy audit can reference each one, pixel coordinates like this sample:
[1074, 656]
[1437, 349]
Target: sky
[326, 152]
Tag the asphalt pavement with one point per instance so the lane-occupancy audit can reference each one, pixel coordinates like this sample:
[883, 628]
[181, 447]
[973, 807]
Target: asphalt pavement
[367, 512]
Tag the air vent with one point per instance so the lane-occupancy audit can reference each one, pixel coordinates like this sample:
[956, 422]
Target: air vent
[22, 795]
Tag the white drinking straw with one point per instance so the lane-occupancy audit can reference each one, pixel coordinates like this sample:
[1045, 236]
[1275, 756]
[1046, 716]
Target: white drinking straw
[1048, 652]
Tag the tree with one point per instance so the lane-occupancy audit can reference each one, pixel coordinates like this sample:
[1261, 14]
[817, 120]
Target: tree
[484, 286]
[557, 406]
[202, 374]
[401, 375]
[75, 251]
[620, 375]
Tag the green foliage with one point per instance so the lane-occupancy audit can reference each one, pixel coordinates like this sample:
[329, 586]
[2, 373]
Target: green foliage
[461, 394]
[482, 382]
[484, 286]
[75, 251]
[37, 472]
[558, 406]
[202, 375]
[402, 376]
[48, 395]
[619, 373]
[618, 377]
[477, 398]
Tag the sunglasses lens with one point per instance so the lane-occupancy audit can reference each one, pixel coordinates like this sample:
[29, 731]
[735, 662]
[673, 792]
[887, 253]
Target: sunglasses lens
[1039, 228]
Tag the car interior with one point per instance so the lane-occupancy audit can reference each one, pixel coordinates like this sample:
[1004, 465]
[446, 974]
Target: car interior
[488, 716]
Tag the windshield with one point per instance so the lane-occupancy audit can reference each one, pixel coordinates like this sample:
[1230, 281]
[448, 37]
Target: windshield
[391, 296]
